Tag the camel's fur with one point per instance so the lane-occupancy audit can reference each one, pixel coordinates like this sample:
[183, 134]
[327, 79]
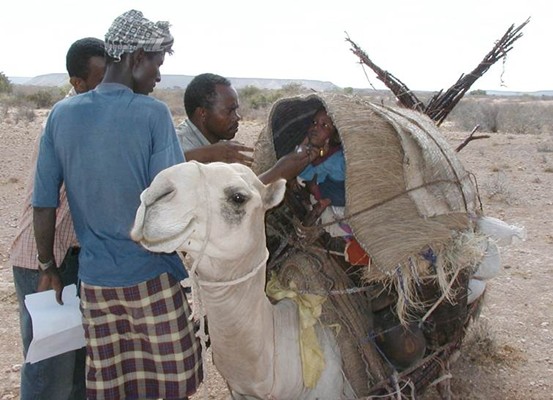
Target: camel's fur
[216, 213]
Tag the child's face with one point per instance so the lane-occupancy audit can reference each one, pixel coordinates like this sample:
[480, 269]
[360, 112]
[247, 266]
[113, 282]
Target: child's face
[321, 129]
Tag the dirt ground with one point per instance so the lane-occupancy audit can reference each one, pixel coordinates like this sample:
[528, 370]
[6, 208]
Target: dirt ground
[509, 352]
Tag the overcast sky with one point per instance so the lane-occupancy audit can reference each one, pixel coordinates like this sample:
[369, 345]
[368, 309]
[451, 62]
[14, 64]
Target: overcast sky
[427, 44]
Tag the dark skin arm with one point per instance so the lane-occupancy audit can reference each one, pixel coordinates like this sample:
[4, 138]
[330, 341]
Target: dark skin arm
[288, 166]
[44, 224]
[228, 151]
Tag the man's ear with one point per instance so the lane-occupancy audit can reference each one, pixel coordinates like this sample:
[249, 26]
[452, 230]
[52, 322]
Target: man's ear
[199, 116]
[78, 84]
[203, 113]
[137, 56]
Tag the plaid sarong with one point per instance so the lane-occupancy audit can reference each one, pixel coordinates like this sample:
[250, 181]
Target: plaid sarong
[140, 343]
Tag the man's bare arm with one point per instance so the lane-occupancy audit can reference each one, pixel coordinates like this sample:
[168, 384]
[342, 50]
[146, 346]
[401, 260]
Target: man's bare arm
[224, 151]
[44, 225]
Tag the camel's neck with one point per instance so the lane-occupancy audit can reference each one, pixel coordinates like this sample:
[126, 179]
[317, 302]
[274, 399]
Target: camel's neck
[240, 323]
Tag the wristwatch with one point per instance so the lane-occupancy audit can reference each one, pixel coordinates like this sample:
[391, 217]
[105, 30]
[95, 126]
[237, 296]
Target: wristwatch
[43, 266]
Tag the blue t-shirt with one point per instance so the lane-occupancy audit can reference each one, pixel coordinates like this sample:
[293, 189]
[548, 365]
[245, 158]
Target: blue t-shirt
[331, 176]
[334, 167]
[107, 145]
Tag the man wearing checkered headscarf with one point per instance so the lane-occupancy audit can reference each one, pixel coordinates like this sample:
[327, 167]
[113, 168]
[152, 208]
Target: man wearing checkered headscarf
[131, 31]
[107, 146]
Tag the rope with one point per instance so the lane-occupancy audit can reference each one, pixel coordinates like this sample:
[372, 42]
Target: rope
[236, 281]
[402, 193]
[193, 281]
[198, 310]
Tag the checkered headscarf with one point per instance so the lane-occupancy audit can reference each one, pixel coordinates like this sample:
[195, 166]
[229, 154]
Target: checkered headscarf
[131, 31]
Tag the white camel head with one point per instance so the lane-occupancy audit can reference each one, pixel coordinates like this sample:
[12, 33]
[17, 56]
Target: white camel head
[216, 213]
[191, 204]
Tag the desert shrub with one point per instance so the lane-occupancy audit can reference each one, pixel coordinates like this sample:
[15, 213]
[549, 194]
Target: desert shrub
[498, 188]
[252, 97]
[471, 112]
[545, 147]
[16, 106]
[517, 115]
[348, 90]
[481, 343]
[483, 347]
[477, 92]
[16, 100]
[5, 84]
[292, 89]
[255, 102]
[46, 98]
[24, 113]
[42, 99]
[525, 117]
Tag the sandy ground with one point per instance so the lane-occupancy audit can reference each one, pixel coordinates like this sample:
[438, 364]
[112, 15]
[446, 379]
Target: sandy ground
[509, 354]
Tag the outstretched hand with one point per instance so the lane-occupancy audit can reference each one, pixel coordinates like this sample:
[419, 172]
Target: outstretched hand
[287, 167]
[231, 151]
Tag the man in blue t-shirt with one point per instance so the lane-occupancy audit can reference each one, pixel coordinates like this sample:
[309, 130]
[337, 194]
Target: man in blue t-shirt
[106, 146]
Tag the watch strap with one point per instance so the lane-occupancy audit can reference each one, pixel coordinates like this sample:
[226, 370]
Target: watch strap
[43, 266]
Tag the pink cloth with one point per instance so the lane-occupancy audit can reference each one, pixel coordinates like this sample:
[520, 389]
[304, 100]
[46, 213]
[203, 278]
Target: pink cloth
[23, 250]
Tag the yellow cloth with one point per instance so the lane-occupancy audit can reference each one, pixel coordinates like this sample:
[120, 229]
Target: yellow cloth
[309, 309]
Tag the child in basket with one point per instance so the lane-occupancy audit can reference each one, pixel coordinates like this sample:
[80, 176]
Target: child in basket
[325, 177]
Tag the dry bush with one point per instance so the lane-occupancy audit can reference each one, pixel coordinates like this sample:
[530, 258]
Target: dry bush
[255, 103]
[480, 342]
[41, 96]
[25, 114]
[498, 188]
[546, 147]
[471, 112]
[17, 108]
[482, 347]
[518, 115]
[526, 117]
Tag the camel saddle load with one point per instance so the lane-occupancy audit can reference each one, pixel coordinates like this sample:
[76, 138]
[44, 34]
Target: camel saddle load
[399, 271]
[370, 298]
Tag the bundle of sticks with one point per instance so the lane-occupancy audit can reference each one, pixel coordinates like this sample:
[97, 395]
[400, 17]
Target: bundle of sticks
[441, 104]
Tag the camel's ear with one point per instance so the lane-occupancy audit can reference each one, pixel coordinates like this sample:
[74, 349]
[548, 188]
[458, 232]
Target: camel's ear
[274, 193]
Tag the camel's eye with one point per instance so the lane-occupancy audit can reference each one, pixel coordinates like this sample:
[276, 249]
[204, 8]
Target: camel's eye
[233, 207]
[238, 198]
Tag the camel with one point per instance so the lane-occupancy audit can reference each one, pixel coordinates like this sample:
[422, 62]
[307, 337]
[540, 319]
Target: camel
[215, 212]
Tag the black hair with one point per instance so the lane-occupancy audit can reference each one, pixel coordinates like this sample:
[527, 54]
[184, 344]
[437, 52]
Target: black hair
[200, 92]
[335, 139]
[80, 53]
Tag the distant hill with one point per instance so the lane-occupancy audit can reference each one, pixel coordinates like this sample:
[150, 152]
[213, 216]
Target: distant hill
[18, 80]
[540, 93]
[181, 81]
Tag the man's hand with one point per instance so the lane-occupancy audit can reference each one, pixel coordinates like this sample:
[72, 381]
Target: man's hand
[50, 279]
[230, 151]
[287, 167]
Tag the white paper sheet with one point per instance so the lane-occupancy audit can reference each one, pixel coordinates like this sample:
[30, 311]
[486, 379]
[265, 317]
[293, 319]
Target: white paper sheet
[56, 328]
